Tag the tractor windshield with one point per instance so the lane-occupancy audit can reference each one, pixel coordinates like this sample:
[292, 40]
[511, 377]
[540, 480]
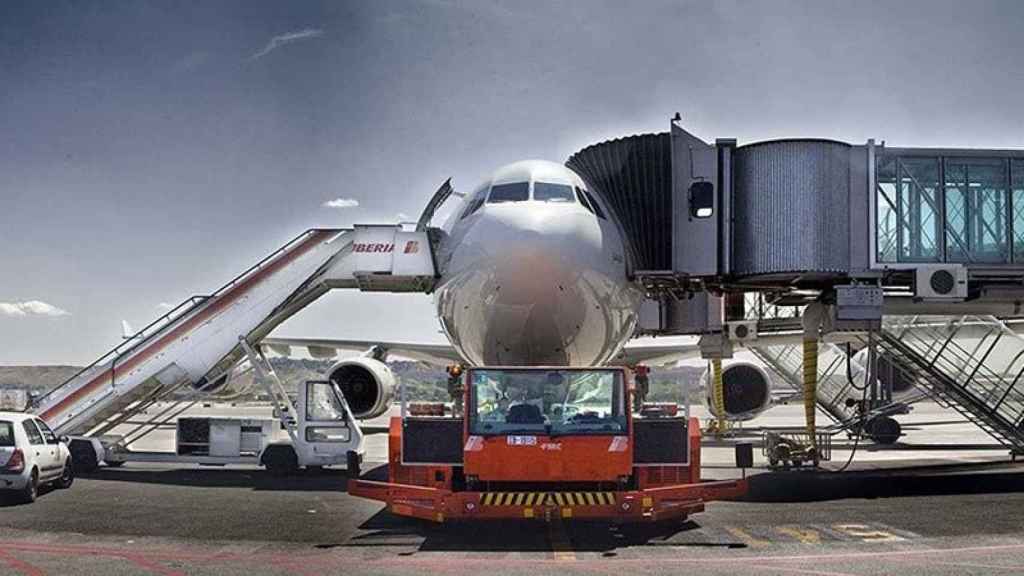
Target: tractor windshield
[546, 402]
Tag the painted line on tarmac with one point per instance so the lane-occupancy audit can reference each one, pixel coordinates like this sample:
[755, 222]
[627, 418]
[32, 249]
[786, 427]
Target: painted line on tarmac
[801, 534]
[561, 547]
[20, 566]
[746, 537]
[737, 560]
[151, 565]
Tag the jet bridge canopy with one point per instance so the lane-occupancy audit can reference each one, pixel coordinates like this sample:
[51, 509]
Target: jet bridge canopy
[808, 213]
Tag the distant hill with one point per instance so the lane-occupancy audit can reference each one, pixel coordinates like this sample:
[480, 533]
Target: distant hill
[35, 378]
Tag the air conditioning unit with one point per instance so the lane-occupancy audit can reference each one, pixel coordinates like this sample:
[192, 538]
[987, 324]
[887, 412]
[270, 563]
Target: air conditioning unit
[743, 330]
[941, 282]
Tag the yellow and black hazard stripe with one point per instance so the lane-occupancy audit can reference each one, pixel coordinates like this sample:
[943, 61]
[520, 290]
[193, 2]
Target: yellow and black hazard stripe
[547, 499]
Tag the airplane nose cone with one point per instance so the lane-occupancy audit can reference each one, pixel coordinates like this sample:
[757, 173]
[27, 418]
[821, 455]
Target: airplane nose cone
[537, 305]
[534, 284]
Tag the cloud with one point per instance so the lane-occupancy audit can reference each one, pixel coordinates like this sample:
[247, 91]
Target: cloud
[165, 306]
[31, 308]
[402, 216]
[287, 38]
[341, 203]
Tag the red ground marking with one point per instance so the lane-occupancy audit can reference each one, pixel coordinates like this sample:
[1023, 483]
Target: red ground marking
[154, 567]
[443, 563]
[20, 566]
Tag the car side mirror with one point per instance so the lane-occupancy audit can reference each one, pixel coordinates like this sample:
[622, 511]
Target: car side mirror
[65, 440]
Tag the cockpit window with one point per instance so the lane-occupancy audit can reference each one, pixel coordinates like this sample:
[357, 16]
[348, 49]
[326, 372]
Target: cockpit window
[595, 205]
[549, 192]
[513, 192]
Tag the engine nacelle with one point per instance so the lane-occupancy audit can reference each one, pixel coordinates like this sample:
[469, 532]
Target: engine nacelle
[368, 385]
[747, 391]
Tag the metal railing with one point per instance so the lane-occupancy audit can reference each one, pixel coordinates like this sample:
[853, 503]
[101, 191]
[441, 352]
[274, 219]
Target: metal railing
[974, 362]
[179, 312]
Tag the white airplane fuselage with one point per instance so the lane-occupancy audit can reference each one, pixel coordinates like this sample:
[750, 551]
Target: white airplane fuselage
[537, 277]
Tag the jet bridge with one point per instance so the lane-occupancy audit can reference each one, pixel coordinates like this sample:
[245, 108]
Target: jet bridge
[190, 352]
[928, 243]
[798, 215]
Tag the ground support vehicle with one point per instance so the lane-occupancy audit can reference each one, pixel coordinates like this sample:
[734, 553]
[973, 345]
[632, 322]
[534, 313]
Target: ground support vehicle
[545, 443]
[317, 429]
[31, 455]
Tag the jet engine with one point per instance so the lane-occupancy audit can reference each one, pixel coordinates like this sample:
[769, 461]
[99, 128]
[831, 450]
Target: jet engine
[368, 385]
[747, 391]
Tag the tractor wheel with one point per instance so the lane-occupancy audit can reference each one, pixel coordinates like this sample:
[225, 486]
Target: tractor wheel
[281, 460]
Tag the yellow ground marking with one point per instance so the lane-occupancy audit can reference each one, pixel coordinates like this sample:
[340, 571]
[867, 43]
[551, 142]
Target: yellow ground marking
[560, 545]
[746, 537]
[867, 533]
[804, 535]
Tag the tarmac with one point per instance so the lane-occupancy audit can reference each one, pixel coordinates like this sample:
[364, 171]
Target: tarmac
[945, 500]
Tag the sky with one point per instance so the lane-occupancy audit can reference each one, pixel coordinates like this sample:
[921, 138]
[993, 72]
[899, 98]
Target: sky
[150, 151]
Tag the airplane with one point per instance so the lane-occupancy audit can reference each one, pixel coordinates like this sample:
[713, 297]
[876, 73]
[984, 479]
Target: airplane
[533, 271]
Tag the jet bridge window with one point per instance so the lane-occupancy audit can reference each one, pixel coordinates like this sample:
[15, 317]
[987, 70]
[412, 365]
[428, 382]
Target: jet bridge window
[702, 199]
[512, 192]
[550, 192]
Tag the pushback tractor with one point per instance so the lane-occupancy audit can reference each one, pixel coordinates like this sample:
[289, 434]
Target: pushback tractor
[546, 444]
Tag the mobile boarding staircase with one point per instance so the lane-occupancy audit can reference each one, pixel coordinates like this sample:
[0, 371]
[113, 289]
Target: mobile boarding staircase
[189, 353]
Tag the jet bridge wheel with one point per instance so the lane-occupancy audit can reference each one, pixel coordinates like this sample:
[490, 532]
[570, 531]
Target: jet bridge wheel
[280, 460]
[883, 430]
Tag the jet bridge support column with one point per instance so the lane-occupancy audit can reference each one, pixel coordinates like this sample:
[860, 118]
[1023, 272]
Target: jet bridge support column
[812, 320]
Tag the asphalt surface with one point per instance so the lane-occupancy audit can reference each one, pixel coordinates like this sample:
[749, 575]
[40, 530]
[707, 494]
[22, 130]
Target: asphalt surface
[943, 501]
[159, 519]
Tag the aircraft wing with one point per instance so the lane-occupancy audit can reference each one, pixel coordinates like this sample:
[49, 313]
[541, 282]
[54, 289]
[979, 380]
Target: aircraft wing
[436, 354]
[655, 354]
[445, 354]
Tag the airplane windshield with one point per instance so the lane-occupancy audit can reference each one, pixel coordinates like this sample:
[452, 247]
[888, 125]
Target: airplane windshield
[546, 402]
[549, 192]
[513, 192]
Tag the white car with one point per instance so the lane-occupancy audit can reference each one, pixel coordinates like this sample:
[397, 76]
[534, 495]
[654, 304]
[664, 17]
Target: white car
[31, 455]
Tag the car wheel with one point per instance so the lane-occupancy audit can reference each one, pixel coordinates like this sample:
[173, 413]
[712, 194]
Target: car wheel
[31, 489]
[67, 478]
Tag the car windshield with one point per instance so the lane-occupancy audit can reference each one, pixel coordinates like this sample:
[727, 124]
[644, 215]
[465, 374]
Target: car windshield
[548, 192]
[6, 433]
[548, 402]
[513, 192]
